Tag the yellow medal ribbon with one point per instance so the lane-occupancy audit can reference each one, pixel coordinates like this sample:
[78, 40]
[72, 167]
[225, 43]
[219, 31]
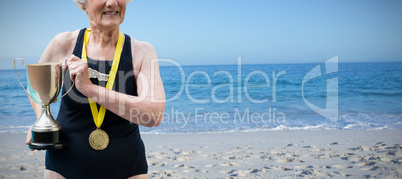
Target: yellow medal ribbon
[99, 116]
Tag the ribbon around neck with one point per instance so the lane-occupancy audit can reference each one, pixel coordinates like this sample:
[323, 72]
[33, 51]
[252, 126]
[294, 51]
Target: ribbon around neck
[99, 116]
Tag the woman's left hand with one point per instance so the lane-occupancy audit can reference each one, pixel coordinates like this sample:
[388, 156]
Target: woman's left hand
[79, 73]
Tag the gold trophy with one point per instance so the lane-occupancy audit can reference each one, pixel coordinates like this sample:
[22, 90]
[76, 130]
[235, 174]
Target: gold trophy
[44, 81]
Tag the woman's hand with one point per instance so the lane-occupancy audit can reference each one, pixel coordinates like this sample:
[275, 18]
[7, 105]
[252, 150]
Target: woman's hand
[79, 73]
[29, 137]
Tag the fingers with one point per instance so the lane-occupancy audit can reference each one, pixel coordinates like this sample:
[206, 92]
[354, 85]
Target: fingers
[74, 62]
[29, 137]
[76, 67]
[72, 58]
[79, 73]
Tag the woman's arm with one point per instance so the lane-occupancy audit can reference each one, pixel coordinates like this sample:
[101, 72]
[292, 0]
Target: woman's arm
[145, 109]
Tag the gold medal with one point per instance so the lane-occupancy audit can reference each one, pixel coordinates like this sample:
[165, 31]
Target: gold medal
[98, 139]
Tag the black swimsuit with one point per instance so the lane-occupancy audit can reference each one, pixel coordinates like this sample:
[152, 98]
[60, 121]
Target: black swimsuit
[125, 155]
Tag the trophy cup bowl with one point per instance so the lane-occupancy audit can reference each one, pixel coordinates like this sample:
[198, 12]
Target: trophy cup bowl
[44, 81]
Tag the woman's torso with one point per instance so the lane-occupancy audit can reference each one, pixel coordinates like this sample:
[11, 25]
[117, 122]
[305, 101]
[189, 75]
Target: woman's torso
[78, 159]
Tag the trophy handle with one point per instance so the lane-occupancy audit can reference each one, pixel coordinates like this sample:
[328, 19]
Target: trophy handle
[15, 69]
[65, 93]
[65, 63]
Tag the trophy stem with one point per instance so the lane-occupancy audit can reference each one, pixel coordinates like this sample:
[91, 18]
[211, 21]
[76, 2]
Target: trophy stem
[46, 122]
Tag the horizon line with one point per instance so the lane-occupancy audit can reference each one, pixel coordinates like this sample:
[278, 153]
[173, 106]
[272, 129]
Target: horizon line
[291, 63]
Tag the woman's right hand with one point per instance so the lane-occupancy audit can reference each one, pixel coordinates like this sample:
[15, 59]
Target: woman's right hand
[29, 138]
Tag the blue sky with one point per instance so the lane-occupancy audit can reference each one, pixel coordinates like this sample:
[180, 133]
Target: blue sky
[203, 32]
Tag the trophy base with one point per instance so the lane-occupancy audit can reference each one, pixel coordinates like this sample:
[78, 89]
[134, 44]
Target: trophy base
[46, 140]
[44, 146]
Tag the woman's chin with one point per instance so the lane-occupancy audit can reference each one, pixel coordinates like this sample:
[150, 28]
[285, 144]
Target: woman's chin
[108, 25]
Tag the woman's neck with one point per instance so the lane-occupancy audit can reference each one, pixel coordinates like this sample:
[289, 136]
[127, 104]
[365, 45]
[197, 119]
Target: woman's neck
[103, 38]
[102, 44]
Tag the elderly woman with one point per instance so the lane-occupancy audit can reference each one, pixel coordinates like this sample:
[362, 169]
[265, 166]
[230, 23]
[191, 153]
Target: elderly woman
[117, 87]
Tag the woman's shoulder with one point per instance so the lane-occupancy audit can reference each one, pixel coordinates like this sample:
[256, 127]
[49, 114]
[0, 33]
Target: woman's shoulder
[66, 38]
[140, 44]
[141, 48]
[60, 47]
[142, 53]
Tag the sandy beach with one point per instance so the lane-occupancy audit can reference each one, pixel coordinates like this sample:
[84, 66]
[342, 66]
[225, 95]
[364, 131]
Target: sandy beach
[269, 154]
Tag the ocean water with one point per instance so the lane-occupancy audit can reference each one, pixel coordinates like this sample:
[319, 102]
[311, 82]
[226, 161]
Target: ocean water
[226, 98]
